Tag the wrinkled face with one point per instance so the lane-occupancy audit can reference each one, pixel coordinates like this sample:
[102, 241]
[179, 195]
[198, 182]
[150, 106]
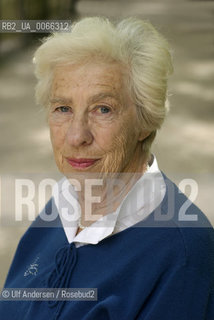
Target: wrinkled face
[92, 119]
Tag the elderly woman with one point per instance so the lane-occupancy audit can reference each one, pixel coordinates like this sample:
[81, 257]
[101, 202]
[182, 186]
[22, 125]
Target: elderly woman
[138, 240]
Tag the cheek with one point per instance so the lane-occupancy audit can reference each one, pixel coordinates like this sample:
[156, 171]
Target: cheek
[57, 135]
[105, 137]
[123, 132]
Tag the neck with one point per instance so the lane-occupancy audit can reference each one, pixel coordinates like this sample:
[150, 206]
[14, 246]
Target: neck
[110, 194]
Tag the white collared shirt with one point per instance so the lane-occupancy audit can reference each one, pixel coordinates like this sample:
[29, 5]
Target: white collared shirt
[143, 198]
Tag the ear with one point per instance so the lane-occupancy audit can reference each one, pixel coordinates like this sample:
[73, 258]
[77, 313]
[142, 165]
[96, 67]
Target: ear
[143, 134]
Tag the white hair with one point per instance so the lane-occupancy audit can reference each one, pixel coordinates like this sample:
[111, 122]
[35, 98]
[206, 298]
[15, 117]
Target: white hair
[133, 43]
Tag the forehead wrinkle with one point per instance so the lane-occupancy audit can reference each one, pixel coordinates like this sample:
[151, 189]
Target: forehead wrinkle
[97, 91]
[111, 86]
[91, 100]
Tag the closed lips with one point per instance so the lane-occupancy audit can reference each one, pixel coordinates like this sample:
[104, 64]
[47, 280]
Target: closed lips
[81, 163]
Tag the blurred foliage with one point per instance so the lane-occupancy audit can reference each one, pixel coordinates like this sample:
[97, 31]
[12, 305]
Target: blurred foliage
[38, 10]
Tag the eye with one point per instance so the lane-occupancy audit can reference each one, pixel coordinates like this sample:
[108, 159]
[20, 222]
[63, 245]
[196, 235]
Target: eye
[63, 109]
[104, 109]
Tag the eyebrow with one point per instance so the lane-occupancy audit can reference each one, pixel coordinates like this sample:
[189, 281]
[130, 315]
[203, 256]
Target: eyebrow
[102, 95]
[62, 100]
[96, 97]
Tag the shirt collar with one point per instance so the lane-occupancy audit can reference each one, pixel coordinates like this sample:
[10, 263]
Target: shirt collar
[70, 212]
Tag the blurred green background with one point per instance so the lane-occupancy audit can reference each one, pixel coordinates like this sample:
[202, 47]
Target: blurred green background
[185, 145]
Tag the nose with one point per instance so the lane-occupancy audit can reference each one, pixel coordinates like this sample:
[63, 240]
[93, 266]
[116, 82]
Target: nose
[79, 133]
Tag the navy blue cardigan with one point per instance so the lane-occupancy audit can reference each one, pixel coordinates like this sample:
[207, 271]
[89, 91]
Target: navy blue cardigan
[159, 269]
